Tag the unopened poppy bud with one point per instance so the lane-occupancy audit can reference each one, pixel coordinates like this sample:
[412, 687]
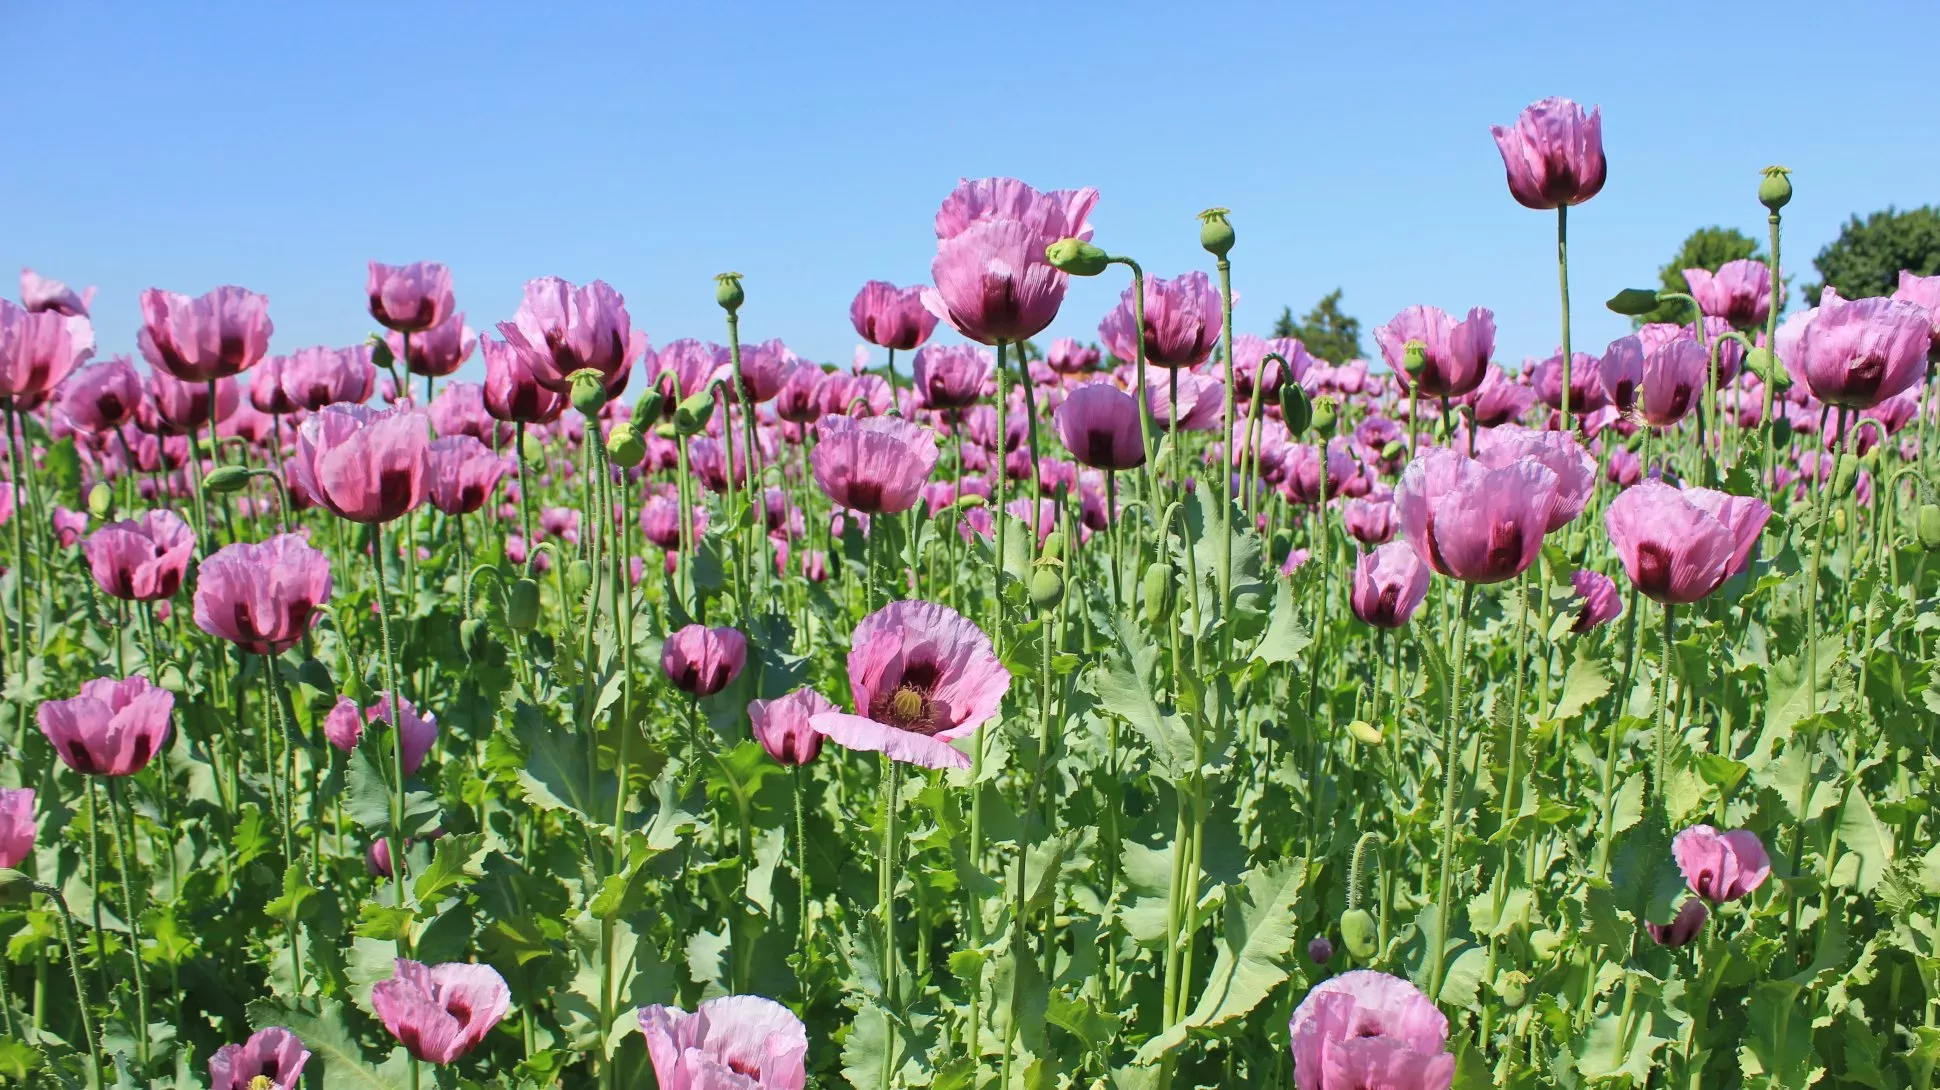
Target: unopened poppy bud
[1296, 409]
[1633, 302]
[1838, 522]
[1159, 592]
[1394, 448]
[589, 392]
[533, 451]
[1775, 188]
[1762, 362]
[226, 479]
[579, 575]
[1513, 987]
[380, 353]
[1844, 475]
[1319, 950]
[1077, 257]
[690, 418]
[651, 405]
[1047, 589]
[728, 293]
[1928, 521]
[1215, 234]
[1280, 546]
[1358, 933]
[1781, 432]
[475, 637]
[522, 606]
[1365, 732]
[666, 430]
[1414, 357]
[1053, 546]
[101, 500]
[624, 445]
[15, 887]
[1324, 416]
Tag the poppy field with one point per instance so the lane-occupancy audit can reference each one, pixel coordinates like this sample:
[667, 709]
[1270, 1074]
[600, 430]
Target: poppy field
[1178, 709]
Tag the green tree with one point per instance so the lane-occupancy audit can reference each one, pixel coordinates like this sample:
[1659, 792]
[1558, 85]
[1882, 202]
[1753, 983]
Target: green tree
[1327, 331]
[1706, 248]
[1868, 255]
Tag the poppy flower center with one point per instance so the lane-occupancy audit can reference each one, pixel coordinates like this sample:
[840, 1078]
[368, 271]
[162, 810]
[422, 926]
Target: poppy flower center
[907, 704]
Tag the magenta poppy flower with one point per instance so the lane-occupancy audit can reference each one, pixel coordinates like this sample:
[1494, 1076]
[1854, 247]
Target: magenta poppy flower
[781, 725]
[1499, 399]
[1252, 372]
[1201, 400]
[891, 317]
[142, 559]
[1673, 379]
[311, 378]
[459, 409]
[1300, 471]
[1553, 154]
[564, 329]
[409, 298]
[112, 728]
[1067, 357]
[513, 392]
[702, 660]
[921, 675]
[38, 349]
[1587, 393]
[437, 351]
[734, 1042]
[1923, 292]
[1389, 585]
[441, 1012]
[993, 283]
[1368, 521]
[18, 827]
[1680, 544]
[1740, 292]
[660, 522]
[1364, 1030]
[44, 293]
[950, 376]
[1098, 423]
[1050, 216]
[208, 337]
[68, 525]
[366, 465]
[1457, 353]
[184, 407]
[1182, 322]
[1684, 927]
[876, 465]
[1599, 601]
[273, 1054]
[1721, 867]
[689, 365]
[461, 473]
[1472, 522]
[1574, 467]
[102, 397]
[1856, 354]
[799, 400]
[418, 733]
[262, 596]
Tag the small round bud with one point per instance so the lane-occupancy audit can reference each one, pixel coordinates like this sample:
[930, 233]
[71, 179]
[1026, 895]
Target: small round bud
[1296, 409]
[728, 293]
[579, 575]
[1359, 933]
[624, 445]
[1160, 590]
[1775, 188]
[1845, 475]
[533, 451]
[589, 392]
[1325, 415]
[1215, 234]
[522, 606]
[1414, 357]
[101, 500]
[1077, 257]
[1365, 732]
[475, 637]
[1928, 521]
[226, 479]
[1513, 987]
[1319, 950]
[1633, 302]
[1053, 546]
[1047, 589]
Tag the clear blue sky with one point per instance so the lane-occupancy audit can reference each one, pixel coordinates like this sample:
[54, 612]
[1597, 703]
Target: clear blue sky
[280, 146]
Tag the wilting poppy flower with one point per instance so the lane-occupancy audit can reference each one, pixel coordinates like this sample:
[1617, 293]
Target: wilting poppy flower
[734, 1042]
[1389, 585]
[1364, 1030]
[876, 465]
[1721, 867]
[921, 675]
[891, 317]
[1680, 544]
[366, 465]
[781, 725]
[141, 559]
[261, 596]
[409, 298]
[273, 1055]
[207, 337]
[1472, 522]
[440, 1012]
[702, 660]
[113, 728]
[1553, 154]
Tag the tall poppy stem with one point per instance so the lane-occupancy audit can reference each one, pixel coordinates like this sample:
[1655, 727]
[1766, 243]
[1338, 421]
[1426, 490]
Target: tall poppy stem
[1444, 889]
[128, 910]
[1563, 282]
[395, 836]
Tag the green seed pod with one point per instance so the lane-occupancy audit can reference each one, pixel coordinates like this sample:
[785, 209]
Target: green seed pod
[1845, 475]
[624, 445]
[579, 575]
[381, 355]
[1358, 933]
[1928, 521]
[533, 451]
[1633, 302]
[589, 392]
[1215, 234]
[1296, 409]
[1414, 357]
[476, 638]
[101, 500]
[1281, 546]
[1325, 416]
[1775, 188]
[1160, 590]
[226, 479]
[1047, 589]
[1053, 546]
[691, 415]
[728, 293]
[1513, 987]
[522, 606]
[1077, 257]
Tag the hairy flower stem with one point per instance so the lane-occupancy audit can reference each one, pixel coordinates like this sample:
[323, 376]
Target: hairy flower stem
[1225, 268]
[1771, 340]
[886, 879]
[81, 1002]
[1621, 698]
[395, 834]
[115, 808]
[1444, 888]
[1659, 729]
[1563, 282]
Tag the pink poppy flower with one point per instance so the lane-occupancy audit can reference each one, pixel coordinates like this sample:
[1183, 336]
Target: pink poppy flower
[1721, 867]
[1680, 544]
[441, 1012]
[142, 559]
[1472, 522]
[409, 298]
[1559, 452]
[1600, 603]
[44, 293]
[1098, 423]
[564, 328]
[38, 349]
[920, 675]
[1067, 357]
[366, 465]
[1856, 354]
[1684, 927]
[217, 335]
[1389, 585]
[18, 827]
[950, 376]
[702, 660]
[1457, 353]
[735, 1042]
[782, 725]
[112, 728]
[876, 465]
[1182, 322]
[513, 392]
[437, 351]
[274, 1055]
[102, 397]
[891, 317]
[461, 473]
[1740, 292]
[1365, 1030]
[262, 596]
[1553, 155]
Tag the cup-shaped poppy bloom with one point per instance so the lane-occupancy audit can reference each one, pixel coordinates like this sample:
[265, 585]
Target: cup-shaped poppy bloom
[1574, 467]
[1684, 927]
[921, 675]
[1201, 399]
[1673, 380]
[68, 525]
[1252, 371]
[1052, 215]
[1721, 867]
[112, 728]
[314, 377]
[1472, 522]
[1587, 392]
[459, 409]
[1098, 423]
[660, 521]
[950, 376]
[1598, 602]
[102, 397]
[781, 725]
[437, 351]
[440, 1012]
[1499, 399]
[993, 283]
[1553, 154]
[1456, 353]
[409, 298]
[702, 660]
[877, 465]
[1856, 354]
[345, 725]
[1300, 472]
[1740, 292]
[1389, 585]
[461, 472]
[44, 293]
[38, 349]
[799, 400]
[17, 825]
[184, 407]
[1369, 521]
[564, 328]
[1067, 357]
[366, 465]
[199, 339]
[1182, 322]
[141, 559]
[273, 1054]
[513, 392]
[1680, 544]
[1364, 1030]
[1921, 291]
[744, 1042]
[262, 596]
[891, 317]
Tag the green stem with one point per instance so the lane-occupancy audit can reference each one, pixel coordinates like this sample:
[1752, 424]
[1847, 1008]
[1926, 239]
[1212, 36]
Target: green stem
[1563, 282]
[128, 911]
[1444, 889]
